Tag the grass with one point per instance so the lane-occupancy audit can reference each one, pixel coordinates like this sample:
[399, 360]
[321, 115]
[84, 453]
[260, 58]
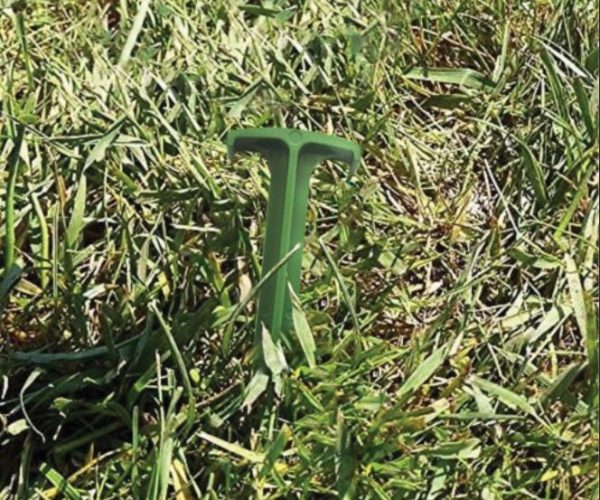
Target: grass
[448, 332]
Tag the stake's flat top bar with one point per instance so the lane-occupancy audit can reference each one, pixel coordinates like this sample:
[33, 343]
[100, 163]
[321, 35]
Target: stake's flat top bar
[294, 139]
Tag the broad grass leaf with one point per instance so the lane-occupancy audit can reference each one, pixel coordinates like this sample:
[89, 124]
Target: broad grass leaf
[134, 33]
[555, 315]
[534, 174]
[482, 401]
[584, 106]
[99, 150]
[257, 385]
[302, 329]
[274, 359]
[423, 372]
[446, 101]
[76, 221]
[576, 295]
[556, 85]
[585, 315]
[506, 396]
[235, 449]
[60, 483]
[272, 353]
[561, 384]
[469, 448]
[464, 77]
[346, 462]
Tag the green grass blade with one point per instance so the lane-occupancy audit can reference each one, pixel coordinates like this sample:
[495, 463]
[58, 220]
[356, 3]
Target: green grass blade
[134, 33]
[302, 329]
[456, 76]
[533, 171]
[423, 372]
[506, 396]
[13, 172]
[59, 482]
[76, 221]
[583, 308]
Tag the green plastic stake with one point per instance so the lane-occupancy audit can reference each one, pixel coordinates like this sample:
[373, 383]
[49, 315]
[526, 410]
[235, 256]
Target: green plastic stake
[291, 156]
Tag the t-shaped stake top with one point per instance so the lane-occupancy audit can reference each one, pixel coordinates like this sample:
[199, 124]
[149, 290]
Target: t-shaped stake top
[291, 156]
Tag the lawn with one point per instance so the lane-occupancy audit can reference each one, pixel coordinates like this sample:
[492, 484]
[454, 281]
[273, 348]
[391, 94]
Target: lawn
[450, 287]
